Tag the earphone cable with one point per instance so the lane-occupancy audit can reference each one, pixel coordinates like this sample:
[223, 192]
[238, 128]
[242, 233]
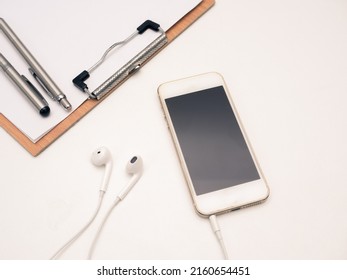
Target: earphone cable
[81, 231]
[217, 231]
[97, 235]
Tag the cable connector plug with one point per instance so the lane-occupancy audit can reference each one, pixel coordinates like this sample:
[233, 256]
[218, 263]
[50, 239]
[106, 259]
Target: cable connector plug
[217, 231]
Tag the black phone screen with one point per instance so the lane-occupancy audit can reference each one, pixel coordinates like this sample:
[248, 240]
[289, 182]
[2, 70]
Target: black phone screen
[211, 140]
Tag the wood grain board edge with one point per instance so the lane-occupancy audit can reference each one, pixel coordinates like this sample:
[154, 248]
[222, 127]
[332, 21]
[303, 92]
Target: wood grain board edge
[189, 19]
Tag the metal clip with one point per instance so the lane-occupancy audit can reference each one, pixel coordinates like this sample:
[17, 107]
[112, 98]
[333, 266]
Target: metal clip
[128, 69]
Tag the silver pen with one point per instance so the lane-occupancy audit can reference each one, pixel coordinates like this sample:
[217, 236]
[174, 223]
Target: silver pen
[35, 68]
[26, 87]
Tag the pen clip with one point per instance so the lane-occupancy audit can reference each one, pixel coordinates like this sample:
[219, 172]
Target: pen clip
[34, 89]
[42, 84]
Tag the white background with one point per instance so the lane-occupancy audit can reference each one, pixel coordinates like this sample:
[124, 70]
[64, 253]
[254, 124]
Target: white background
[285, 64]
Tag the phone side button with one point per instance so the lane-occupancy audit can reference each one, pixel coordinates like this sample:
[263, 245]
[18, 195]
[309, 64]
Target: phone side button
[167, 124]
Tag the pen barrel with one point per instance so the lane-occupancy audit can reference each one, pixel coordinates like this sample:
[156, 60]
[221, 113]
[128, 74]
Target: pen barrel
[35, 98]
[131, 67]
[53, 91]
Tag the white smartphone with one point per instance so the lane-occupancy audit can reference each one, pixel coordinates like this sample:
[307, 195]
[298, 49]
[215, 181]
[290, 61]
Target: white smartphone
[218, 162]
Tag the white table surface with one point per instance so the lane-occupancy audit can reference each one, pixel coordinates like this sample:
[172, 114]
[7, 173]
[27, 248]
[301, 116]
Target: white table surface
[285, 63]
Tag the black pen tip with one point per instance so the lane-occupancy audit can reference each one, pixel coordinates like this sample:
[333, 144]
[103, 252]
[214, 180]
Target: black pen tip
[45, 111]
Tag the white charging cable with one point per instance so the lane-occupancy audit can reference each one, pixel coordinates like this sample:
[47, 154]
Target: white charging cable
[217, 231]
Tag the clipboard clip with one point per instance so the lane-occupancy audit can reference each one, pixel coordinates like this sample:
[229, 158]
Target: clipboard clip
[129, 68]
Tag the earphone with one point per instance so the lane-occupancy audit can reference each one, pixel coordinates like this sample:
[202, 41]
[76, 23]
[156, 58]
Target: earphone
[135, 168]
[102, 157]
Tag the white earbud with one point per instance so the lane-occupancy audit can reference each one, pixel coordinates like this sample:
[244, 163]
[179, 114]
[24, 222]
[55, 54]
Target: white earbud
[134, 167]
[100, 157]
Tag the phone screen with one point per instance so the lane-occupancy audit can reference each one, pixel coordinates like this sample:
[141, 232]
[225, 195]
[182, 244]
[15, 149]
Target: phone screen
[213, 146]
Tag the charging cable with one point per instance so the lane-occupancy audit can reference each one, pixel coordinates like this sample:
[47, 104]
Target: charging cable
[81, 231]
[217, 231]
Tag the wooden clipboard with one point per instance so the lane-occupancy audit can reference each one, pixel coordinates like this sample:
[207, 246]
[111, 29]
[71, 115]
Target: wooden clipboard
[36, 148]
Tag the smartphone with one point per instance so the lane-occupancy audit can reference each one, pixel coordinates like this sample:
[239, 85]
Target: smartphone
[218, 162]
